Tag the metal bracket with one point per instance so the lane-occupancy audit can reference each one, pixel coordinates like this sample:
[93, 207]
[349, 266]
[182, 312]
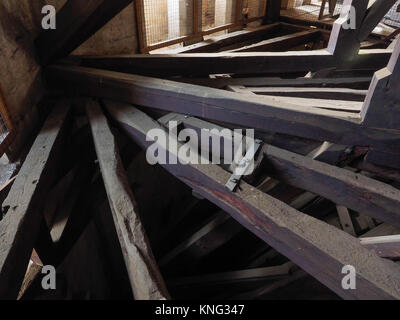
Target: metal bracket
[244, 164]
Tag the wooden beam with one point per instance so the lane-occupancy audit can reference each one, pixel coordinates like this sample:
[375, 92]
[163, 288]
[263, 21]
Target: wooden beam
[197, 64]
[282, 43]
[344, 42]
[273, 11]
[76, 22]
[318, 248]
[223, 82]
[375, 14]
[146, 280]
[343, 187]
[382, 105]
[384, 246]
[235, 39]
[22, 207]
[256, 112]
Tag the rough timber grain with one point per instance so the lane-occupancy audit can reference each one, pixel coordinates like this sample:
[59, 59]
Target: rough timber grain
[318, 248]
[146, 280]
[19, 227]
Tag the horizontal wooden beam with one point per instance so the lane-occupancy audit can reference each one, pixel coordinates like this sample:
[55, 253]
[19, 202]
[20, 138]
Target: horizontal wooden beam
[223, 82]
[316, 247]
[192, 64]
[256, 112]
[145, 277]
[22, 207]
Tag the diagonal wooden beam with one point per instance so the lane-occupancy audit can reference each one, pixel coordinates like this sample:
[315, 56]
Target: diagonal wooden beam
[374, 15]
[355, 191]
[318, 248]
[146, 280]
[256, 112]
[77, 21]
[22, 207]
[282, 43]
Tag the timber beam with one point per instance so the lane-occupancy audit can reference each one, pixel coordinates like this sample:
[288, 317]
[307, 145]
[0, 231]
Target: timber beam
[319, 249]
[146, 280]
[198, 64]
[262, 113]
[23, 206]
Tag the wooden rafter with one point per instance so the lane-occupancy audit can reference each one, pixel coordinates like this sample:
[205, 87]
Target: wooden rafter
[324, 250]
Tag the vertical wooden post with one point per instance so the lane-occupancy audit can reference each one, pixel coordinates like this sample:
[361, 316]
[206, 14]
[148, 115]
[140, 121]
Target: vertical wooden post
[344, 43]
[273, 11]
[140, 25]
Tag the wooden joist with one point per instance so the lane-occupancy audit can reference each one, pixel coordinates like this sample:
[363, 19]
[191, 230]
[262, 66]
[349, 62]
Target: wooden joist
[146, 280]
[192, 64]
[316, 247]
[256, 112]
[76, 22]
[22, 207]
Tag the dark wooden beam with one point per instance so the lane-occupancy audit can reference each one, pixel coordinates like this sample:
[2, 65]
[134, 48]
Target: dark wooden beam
[374, 16]
[76, 22]
[382, 105]
[146, 280]
[256, 112]
[273, 11]
[384, 246]
[316, 247]
[223, 82]
[192, 64]
[355, 191]
[22, 207]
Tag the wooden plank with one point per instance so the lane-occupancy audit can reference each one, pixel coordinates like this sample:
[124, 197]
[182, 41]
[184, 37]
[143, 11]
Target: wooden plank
[314, 93]
[20, 225]
[229, 107]
[316, 247]
[239, 276]
[384, 246]
[76, 22]
[236, 38]
[282, 43]
[146, 280]
[345, 220]
[192, 64]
